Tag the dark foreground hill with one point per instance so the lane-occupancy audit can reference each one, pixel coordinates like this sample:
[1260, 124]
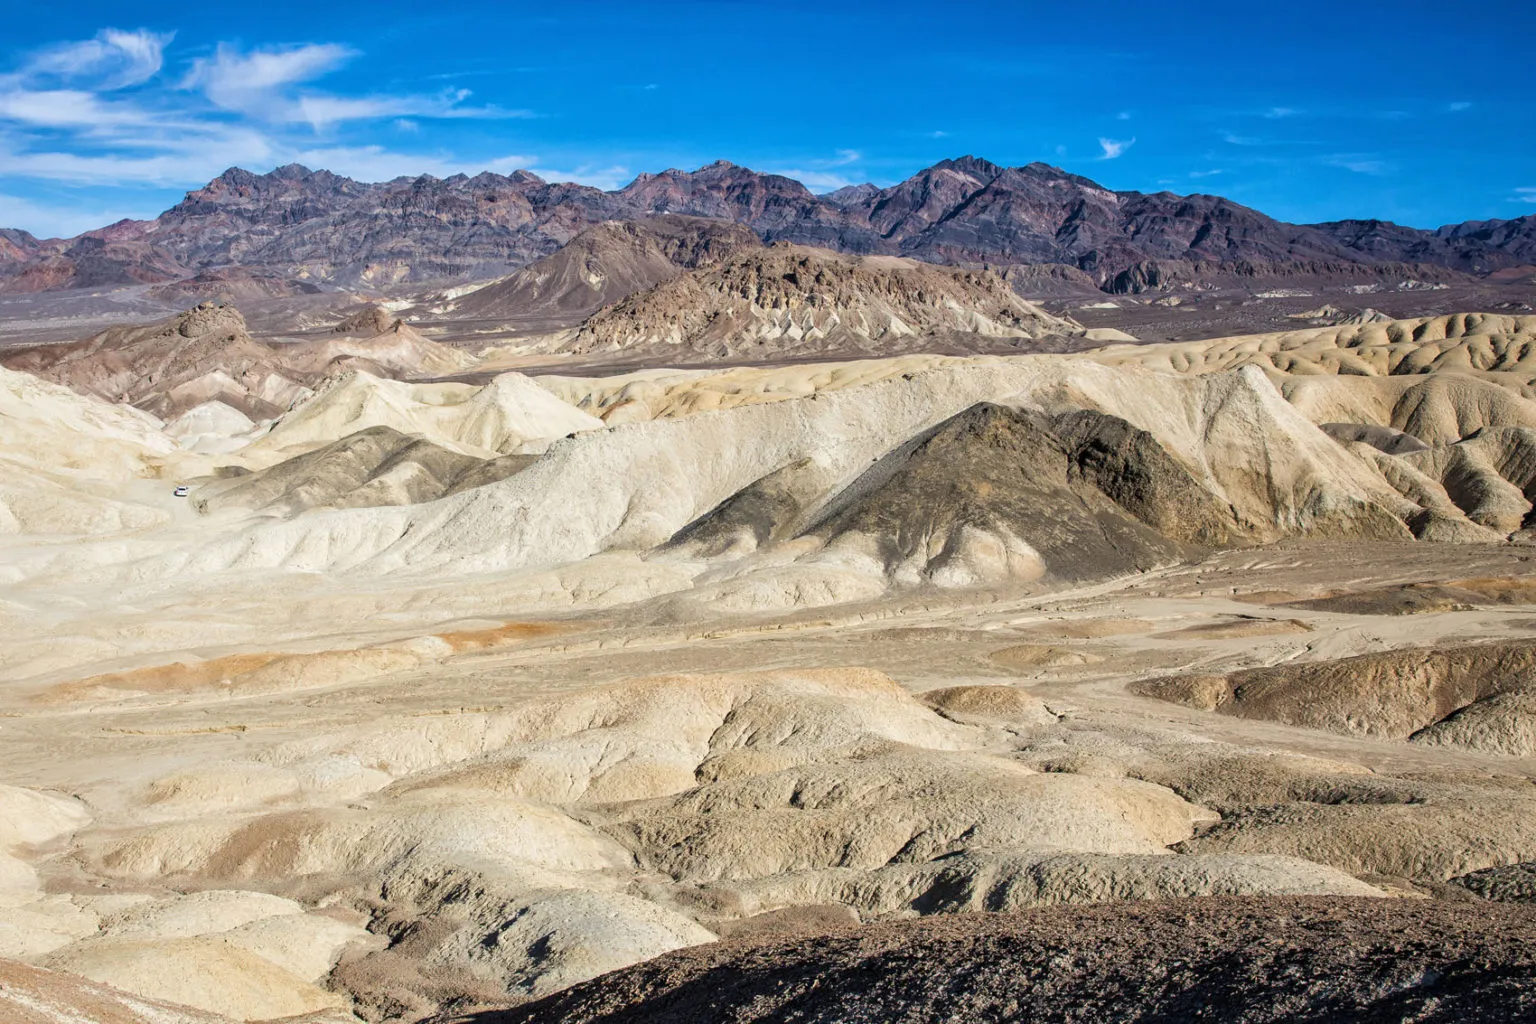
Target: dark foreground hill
[1237, 961]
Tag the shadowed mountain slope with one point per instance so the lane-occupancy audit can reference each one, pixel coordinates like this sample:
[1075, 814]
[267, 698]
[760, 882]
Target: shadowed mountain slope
[316, 226]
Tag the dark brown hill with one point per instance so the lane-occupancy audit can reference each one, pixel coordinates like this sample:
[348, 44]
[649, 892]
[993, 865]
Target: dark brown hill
[1476, 247]
[606, 263]
[1238, 961]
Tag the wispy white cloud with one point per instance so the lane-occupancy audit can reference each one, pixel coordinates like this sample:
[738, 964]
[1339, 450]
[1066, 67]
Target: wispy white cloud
[816, 181]
[63, 220]
[1206, 174]
[1524, 195]
[320, 112]
[113, 60]
[823, 175]
[264, 84]
[497, 71]
[60, 108]
[377, 163]
[937, 134]
[252, 83]
[67, 85]
[1234, 139]
[1114, 149]
[99, 113]
[606, 178]
[1280, 113]
[1124, 115]
[176, 161]
[1360, 164]
[1459, 106]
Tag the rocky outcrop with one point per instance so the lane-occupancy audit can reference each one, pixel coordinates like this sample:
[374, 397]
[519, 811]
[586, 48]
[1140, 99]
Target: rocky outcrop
[765, 303]
[372, 467]
[1475, 697]
[202, 355]
[206, 355]
[608, 263]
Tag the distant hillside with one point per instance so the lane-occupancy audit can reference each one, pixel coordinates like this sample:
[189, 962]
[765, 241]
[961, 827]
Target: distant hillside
[206, 354]
[789, 299]
[317, 227]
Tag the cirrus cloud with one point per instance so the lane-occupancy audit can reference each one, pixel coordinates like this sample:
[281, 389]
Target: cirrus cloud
[251, 83]
[261, 84]
[114, 59]
[100, 113]
[1114, 149]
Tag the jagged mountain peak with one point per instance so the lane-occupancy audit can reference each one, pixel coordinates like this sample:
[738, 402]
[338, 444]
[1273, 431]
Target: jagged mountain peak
[851, 195]
[984, 170]
[294, 222]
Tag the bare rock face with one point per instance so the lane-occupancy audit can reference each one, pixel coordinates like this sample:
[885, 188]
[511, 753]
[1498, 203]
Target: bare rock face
[790, 299]
[367, 322]
[116, 255]
[1474, 246]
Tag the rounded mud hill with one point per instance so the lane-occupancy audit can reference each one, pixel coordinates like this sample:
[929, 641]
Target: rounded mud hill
[1232, 960]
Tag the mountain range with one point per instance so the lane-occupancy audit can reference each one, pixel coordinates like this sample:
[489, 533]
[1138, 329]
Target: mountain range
[314, 227]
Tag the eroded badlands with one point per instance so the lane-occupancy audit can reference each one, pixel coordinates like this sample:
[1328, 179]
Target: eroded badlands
[435, 697]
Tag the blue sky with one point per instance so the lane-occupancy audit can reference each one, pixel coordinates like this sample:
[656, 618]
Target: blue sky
[1411, 111]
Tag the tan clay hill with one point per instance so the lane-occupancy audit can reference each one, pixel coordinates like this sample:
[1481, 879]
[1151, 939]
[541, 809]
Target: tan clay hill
[202, 355]
[206, 355]
[789, 300]
[438, 698]
[1474, 343]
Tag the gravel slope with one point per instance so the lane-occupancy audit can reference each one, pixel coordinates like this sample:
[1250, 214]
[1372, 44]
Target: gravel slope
[1230, 960]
